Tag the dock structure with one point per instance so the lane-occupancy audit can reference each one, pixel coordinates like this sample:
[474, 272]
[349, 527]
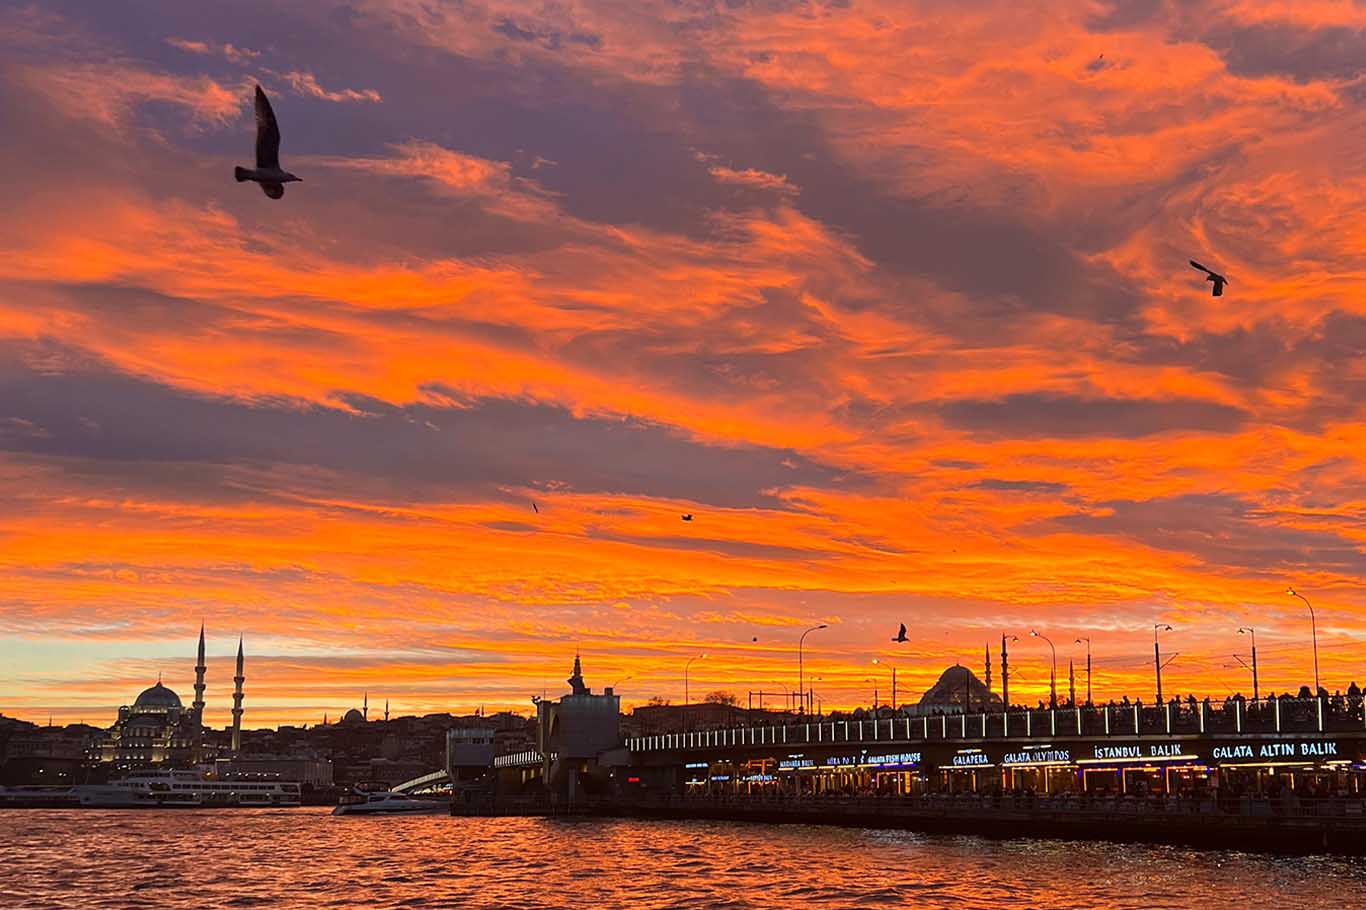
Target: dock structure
[1281, 772]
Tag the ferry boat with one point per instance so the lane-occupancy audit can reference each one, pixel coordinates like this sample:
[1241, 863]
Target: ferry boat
[387, 802]
[172, 789]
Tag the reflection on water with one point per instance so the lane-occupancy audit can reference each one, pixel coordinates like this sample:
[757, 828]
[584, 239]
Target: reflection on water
[306, 858]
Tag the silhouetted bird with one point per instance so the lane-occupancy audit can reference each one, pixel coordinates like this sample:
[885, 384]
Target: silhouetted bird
[1219, 280]
[901, 635]
[535, 508]
[688, 517]
[268, 172]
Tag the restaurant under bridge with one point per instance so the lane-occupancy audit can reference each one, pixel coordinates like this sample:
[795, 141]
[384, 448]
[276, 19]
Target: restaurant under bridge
[1282, 748]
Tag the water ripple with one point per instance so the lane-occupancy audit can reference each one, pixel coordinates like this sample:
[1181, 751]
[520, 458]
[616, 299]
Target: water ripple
[182, 860]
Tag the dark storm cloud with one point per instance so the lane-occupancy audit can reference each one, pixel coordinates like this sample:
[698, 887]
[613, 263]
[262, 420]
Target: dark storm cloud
[1220, 529]
[418, 451]
[1040, 415]
[1302, 54]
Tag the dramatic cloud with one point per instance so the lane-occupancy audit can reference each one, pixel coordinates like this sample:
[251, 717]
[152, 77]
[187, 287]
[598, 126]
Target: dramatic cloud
[891, 295]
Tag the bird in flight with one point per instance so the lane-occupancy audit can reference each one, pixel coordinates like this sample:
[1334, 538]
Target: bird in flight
[1219, 280]
[901, 635]
[535, 508]
[688, 517]
[268, 172]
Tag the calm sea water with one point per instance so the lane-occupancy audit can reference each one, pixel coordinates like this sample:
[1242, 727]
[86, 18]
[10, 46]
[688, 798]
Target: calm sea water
[306, 858]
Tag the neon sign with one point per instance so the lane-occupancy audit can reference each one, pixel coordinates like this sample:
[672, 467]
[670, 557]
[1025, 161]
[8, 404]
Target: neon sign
[1327, 749]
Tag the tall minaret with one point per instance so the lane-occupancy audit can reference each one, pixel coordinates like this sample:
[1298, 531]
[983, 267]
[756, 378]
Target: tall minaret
[365, 706]
[197, 709]
[199, 670]
[237, 701]
[386, 710]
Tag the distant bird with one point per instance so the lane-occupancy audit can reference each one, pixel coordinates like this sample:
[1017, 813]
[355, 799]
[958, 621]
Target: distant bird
[688, 517]
[535, 508]
[901, 635]
[268, 172]
[1219, 280]
[755, 638]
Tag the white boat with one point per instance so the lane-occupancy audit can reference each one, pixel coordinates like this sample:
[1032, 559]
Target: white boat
[171, 789]
[125, 795]
[387, 802]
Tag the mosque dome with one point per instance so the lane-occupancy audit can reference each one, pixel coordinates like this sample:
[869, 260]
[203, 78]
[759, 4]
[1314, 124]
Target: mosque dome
[353, 717]
[157, 696]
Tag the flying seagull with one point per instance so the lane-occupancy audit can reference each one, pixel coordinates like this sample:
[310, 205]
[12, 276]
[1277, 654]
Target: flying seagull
[535, 508]
[901, 635]
[268, 172]
[1219, 280]
[688, 517]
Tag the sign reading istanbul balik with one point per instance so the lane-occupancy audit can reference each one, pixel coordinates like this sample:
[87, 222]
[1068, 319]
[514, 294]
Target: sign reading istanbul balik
[1321, 749]
[1132, 751]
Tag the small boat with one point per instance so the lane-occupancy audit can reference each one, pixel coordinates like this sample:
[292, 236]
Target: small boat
[387, 802]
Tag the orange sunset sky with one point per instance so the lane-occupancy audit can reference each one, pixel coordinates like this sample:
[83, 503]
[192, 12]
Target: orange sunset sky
[891, 295]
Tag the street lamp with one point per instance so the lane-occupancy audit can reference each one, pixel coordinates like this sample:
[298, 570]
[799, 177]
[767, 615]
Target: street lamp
[1005, 673]
[1088, 667]
[701, 656]
[876, 661]
[1157, 656]
[801, 676]
[1053, 676]
[1256, 695]
[1314, 630]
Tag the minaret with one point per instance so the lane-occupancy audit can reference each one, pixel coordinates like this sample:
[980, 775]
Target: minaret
[386, 710]
[365, 706]
[197, 708]
[237, 701]
[199, 670]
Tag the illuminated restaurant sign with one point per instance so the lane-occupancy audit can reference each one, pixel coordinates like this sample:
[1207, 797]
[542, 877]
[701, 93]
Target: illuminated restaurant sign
[1037, 755]
[1136, 751]
[896, 758]
[789, 764]
[1326, 749]
[975, 758]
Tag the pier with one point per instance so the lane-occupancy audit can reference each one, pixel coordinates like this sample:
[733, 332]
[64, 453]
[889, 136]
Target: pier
[1285, 774]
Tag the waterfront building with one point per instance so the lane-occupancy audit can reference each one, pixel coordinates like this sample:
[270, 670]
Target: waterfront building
[576, 736]
[157, 729]
[1195, 750]
[310, 772]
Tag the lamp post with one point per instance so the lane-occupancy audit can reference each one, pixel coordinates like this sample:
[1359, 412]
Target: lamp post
[1088, 668]
[1005, 673]
[701, 656]
[876, 661]
[1256, 694]
[1314, 630]
[801, 677]
[1053, 675]
[1157, 656]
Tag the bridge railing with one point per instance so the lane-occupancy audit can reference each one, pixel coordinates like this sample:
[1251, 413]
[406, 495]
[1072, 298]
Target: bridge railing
[1233, 717]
